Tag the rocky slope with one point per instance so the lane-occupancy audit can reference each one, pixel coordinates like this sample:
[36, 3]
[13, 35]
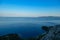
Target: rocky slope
[10, 37]
[53, 34]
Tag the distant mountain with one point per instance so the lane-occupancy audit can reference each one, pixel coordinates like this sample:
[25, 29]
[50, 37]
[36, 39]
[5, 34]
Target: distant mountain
[29, 18]
[49, 18]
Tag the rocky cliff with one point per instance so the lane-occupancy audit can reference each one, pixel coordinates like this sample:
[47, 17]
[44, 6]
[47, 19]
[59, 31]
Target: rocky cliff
[53, 33]
[10, 37]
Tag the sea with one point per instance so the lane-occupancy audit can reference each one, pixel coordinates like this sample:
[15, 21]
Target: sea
[25, 28]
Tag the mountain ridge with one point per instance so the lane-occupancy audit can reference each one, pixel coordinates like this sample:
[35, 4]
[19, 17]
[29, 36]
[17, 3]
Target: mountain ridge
[30, 18]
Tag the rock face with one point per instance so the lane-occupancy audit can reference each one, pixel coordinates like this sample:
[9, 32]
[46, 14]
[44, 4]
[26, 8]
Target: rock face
[53, 34]
[10, 37]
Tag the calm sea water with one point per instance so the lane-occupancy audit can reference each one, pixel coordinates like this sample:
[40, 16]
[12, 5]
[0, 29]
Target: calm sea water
[25, 28]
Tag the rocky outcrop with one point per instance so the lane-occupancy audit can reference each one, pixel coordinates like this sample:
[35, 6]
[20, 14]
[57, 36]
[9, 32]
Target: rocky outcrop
[10, 37]
[53, 33]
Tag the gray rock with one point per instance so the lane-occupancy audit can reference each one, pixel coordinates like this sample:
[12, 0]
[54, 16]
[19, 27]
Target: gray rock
[53, 34]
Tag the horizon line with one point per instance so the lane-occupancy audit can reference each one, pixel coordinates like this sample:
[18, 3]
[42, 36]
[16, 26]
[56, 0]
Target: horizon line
[26, 16]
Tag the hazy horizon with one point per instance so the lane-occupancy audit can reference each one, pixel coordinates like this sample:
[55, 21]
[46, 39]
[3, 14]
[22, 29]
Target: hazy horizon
[37, 16]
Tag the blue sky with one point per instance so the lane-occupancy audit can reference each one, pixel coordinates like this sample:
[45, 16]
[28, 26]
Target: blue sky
[29, 8]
